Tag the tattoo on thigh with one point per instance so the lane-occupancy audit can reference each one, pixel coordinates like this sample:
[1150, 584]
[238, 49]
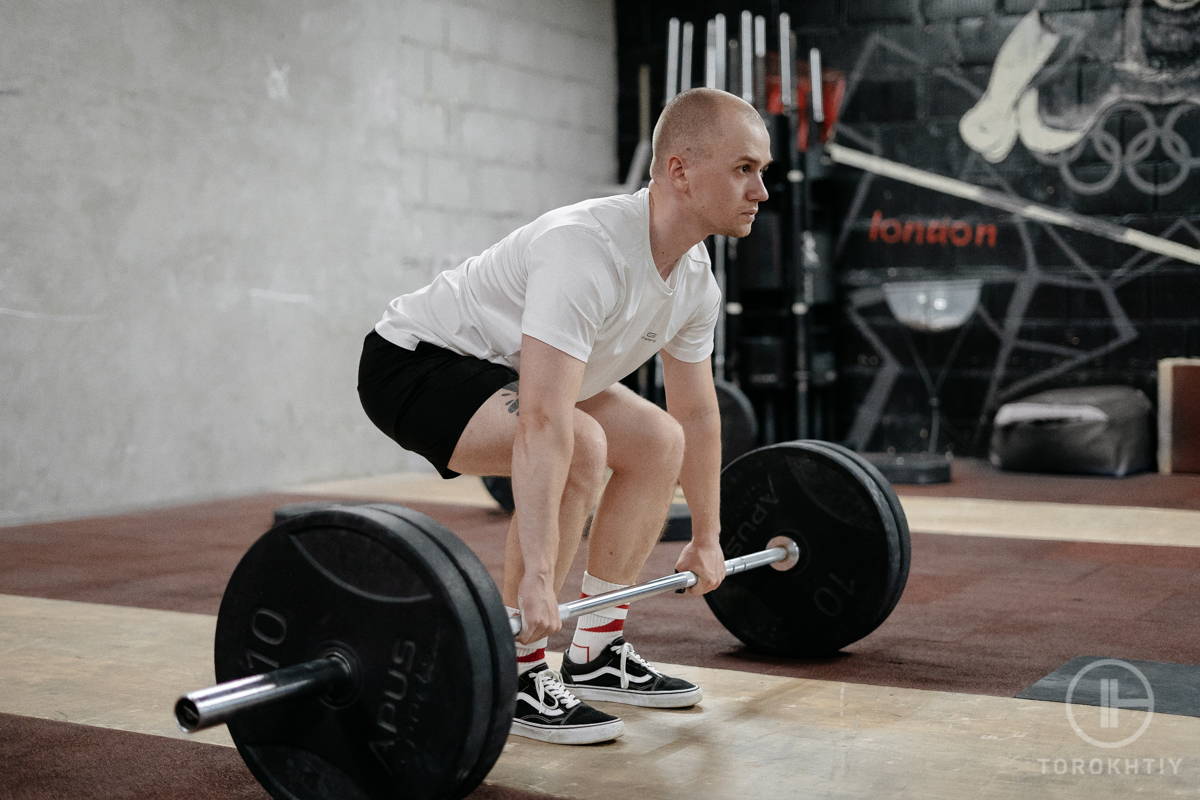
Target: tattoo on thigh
[511, 398]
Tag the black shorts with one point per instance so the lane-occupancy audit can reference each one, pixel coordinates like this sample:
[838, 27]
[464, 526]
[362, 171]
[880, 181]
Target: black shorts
[424, 398]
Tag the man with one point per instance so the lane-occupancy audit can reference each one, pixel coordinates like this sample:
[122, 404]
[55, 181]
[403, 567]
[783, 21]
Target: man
[571, 303]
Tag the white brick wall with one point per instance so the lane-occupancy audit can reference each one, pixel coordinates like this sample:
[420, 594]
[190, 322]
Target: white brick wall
[216, 203]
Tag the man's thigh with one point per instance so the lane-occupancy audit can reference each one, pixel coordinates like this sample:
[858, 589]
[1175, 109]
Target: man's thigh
[486, 444]
[631, 423]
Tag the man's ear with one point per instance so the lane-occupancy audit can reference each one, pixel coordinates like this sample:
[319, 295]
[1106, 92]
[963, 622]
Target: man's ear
[677, 173]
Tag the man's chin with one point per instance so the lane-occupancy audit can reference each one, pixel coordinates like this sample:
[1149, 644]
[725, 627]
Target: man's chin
[740, 231]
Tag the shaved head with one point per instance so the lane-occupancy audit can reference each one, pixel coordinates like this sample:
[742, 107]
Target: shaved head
[692, 121]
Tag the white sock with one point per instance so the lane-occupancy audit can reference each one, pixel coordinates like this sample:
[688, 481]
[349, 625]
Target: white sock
[528, 655]
[597, 630]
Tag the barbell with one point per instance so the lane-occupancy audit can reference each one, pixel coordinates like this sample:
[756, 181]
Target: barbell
[365, 652]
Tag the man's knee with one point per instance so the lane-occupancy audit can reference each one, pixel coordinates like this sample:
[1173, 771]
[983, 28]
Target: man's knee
[590, 456]
[664, 443]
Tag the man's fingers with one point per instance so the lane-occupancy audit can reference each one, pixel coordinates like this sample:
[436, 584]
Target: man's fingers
[533, 629]
[704, 586]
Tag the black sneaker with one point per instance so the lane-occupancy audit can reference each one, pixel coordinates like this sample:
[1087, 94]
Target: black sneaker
[549, 713]
[620, 675]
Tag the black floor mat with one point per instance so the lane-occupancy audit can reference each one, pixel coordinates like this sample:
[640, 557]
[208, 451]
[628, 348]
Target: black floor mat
[1123, 683]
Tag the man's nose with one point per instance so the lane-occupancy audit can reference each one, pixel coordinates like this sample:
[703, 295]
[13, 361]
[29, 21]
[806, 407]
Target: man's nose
[758, 191]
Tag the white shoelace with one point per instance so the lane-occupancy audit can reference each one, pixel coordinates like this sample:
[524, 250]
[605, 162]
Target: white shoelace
[628, 653]
[549, 682]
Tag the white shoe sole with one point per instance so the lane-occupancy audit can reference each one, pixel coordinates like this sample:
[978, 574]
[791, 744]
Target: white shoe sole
[636, 697]
[573, 734]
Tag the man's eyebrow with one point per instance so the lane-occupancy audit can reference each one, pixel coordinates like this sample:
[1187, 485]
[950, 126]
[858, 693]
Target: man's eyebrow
[754, 160]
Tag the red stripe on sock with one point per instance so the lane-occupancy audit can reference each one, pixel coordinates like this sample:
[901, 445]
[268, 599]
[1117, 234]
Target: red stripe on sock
[536, 655]
[610, 627]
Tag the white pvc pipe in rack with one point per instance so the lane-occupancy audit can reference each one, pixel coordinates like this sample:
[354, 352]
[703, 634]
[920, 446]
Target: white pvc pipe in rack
[710, 54]
[685, 58]
[746, 49]
[672, 87]
[787, 94]
[818, 88]
[722, 50]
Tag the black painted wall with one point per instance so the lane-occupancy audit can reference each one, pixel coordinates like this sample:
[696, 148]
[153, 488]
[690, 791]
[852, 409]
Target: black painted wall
[1058, 306]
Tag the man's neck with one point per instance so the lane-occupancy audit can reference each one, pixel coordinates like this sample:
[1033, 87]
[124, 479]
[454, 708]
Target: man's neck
[670, 234]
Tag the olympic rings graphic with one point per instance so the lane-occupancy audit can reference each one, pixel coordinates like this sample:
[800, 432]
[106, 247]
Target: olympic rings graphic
[1128, 161]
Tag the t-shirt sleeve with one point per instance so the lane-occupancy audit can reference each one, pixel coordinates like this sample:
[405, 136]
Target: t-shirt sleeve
[694, 341]
[571, 288]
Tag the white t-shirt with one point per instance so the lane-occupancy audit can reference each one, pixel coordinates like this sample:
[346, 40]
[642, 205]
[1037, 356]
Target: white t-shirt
[581, 279]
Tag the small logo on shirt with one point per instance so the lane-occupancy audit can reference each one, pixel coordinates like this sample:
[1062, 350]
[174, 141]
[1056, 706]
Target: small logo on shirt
[649, 336]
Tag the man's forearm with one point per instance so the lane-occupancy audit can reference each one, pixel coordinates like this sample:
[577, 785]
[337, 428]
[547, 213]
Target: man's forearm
[700, 475]
[541, 460]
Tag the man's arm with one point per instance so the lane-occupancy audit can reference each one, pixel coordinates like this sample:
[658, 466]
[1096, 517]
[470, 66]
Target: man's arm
[692, 401]
[542, 451]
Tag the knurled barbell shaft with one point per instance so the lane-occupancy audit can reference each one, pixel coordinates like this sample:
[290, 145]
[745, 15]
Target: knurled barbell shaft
[680, 580]
[205, 708]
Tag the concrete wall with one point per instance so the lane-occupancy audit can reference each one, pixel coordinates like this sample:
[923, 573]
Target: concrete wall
[207, 205]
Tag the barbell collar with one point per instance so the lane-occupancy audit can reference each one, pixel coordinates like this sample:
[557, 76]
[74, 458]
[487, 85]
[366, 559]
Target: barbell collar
[786, 551]
[205, 708]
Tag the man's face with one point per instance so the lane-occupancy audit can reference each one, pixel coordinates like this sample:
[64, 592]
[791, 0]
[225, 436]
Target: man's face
[726, 186]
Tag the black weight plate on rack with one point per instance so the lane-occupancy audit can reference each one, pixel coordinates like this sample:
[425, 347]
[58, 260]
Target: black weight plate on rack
[366, 583]
[885, 486]
[849, 542]
[290, 510]
[500, 638]
[500, 488]
[739, 426]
